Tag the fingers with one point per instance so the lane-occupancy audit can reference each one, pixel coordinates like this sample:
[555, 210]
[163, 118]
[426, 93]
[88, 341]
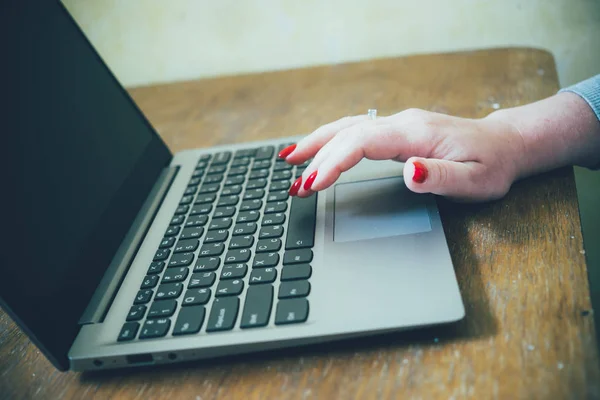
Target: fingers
[311, 144]
[457, 180]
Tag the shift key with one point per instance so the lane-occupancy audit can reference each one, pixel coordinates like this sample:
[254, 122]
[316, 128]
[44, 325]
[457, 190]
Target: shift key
[257, 309]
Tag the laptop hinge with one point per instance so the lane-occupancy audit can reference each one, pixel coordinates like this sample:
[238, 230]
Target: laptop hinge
[114, 275]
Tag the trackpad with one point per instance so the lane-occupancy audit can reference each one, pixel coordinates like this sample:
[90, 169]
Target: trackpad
[377, 208]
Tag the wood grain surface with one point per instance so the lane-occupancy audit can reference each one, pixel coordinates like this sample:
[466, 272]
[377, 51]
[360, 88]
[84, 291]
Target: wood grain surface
[528, 333]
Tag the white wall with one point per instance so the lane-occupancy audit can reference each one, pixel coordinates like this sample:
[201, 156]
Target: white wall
[151, 41]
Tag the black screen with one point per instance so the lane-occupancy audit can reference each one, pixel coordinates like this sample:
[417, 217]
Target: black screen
[78, 161]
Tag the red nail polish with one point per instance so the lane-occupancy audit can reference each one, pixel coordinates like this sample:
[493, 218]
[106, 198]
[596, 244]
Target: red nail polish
[295, 187]
[287, 151]
[309, 181]
[420, 172]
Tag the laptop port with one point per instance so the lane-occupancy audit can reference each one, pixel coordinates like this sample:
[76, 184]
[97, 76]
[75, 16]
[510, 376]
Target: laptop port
[140, 359]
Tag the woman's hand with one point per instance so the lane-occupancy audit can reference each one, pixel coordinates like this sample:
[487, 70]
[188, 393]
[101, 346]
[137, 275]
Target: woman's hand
[465, 159]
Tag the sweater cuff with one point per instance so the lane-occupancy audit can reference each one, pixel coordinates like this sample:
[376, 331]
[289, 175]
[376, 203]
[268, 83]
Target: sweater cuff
[589, 90]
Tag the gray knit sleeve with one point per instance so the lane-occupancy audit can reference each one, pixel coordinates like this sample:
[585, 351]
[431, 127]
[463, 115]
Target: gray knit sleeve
[589, 90]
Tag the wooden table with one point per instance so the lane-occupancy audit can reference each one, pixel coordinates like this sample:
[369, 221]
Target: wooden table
[520, 264]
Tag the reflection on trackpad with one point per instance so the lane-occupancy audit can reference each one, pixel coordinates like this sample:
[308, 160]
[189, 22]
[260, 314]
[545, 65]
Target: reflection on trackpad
[377, 208]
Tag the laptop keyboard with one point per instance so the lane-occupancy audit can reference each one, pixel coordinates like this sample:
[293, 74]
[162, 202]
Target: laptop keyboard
[237, 239]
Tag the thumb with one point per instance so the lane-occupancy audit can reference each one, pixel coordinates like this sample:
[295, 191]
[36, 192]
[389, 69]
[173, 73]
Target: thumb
[442, 177]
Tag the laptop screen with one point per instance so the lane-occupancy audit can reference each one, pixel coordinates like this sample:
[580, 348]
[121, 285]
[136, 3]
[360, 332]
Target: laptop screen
[78, 161]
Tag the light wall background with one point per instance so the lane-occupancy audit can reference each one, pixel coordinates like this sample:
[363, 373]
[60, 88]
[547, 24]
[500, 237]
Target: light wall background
[154, 41]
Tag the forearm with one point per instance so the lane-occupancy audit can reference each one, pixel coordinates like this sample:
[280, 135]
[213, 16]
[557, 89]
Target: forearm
[557, 131]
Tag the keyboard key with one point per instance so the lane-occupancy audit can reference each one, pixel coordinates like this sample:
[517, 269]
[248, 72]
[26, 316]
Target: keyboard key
[172, 231]
[263, 275]
[249, 205]
[200, 209]
[156, 267]
[230, 288]
[167, 242]
[220, 223]
[216, 236]
[262, 260]
[161, 254]
[261, 164]
[237, 171]
[234, 180]
[186, 200]
[268, 245]
[278, 196]
[254, 194]
[267, 232]
[261, 173]
[248, 216]
[295, 272]
[245, 153]
[300, 256]
[216, 169]
[209, 188]
[149, 281]
[190, 191]
[237, 256]
[222, 212]
[202, 279]
[128, 331]
[205, 198]
[294, 289]
[279, 185]
[256, 184]
[136, 313]
[189, 320]
[196, 220]
[276, 207]
[223, 314]
[241, 242]
[291, 311]
[282, 166]
[182, 210]
[143, 296]
[231, 190]
[192, 233]
[198, 172]
[234, 271]
[228, 201]
[205, 264]
[273, 219]
[216, 178]
[257, 307]
[177, 220]
[194, 297]
[244, 228]
[221, 158]
[169, 291]
[175, 274]
[154, 328]
[240, 161]
[186, 246]
[162, 309]
[204, 158]
[181, 260]
[211, 249]
[194, 182]
[299, 172]
[281, 175]
[301, 226]
[264, 152]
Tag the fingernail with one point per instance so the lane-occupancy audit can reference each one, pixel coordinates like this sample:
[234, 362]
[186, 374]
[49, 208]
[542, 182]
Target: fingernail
[309, 181]
[295, 187]
[287, 151]
[420, 172]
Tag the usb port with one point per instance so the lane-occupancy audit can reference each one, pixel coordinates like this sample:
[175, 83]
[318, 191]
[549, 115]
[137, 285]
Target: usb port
[140, 359]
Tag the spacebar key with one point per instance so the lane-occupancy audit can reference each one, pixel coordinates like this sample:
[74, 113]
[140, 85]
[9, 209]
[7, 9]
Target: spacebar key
[301, 228]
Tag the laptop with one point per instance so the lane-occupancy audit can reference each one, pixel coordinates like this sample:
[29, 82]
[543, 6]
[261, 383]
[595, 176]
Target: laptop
[118, 253]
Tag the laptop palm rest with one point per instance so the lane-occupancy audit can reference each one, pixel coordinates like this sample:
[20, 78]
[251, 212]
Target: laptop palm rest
[377, 208]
